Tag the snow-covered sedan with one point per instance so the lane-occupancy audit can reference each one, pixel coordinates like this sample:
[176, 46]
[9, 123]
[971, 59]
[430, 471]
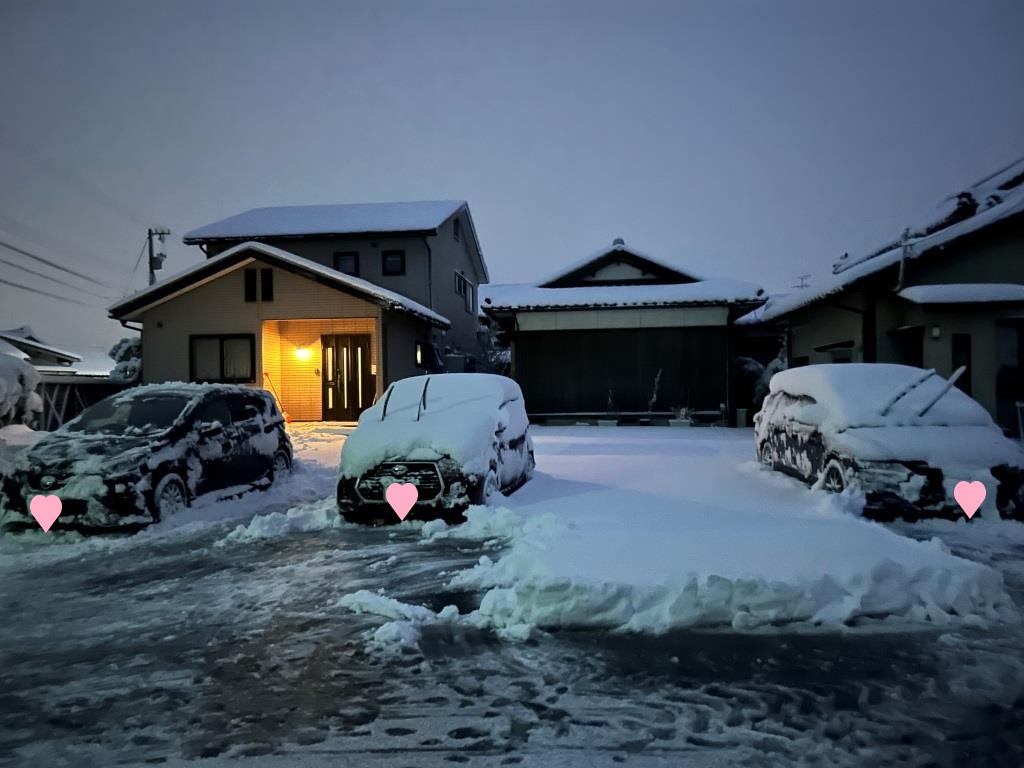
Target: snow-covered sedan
[458, 437]
[145, 453]
[907, 436]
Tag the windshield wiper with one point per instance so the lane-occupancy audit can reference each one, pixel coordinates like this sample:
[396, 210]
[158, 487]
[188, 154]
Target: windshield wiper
[906, 391]
[946, 387]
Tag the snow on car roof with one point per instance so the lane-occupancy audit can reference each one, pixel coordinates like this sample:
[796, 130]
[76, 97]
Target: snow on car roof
[855, 395]
[183, 388]
[462, 413]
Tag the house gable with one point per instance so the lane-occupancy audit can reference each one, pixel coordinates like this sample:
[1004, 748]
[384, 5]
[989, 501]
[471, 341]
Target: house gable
[618, 265]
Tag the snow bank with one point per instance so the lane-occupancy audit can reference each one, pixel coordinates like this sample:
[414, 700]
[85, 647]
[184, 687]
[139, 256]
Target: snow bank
[463, 411]
[307, 517]
[651, 531]
[407, 620]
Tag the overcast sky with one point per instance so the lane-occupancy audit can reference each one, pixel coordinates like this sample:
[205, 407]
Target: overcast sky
[755, 140]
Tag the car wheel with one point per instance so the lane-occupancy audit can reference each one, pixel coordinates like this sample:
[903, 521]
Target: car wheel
[280, 467]
[833, 479]
[169, 498]
[767, 456]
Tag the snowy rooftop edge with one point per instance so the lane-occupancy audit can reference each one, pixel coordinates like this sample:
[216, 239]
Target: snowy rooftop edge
[363, 286]
[343, 218]
[623, 247]
[963, 293]
[713, 291]
[1012, 204]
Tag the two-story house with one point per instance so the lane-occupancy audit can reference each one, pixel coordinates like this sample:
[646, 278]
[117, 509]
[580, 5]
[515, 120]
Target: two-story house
[324, 305]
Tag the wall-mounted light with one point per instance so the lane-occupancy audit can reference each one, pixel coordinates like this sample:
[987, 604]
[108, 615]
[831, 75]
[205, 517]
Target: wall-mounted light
[303, 352]
[936, 331]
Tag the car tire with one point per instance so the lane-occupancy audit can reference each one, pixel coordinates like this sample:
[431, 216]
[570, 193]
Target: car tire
[485, 487]
[170, 496]
[280, 466]
[833, 478]
[766, 454]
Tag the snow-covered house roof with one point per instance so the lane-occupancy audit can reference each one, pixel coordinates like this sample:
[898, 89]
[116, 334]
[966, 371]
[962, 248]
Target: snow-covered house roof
[993, 199]
[419, 218]
[24, 339]
[241, 254]
[526, 297]
[619, 251]
[963, 293]
[347, 219]
[618, 277]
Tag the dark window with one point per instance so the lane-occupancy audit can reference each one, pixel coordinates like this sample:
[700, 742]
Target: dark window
[266, 285]
[250, 285]
[464, 288]
[245, 408]
[962, 356]
[347, 262]
[457, 229]
[215, 410]
[225, 358]
[393, 263]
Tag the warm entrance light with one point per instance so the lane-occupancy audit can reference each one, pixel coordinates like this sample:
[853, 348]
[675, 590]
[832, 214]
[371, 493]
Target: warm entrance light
[303, 353]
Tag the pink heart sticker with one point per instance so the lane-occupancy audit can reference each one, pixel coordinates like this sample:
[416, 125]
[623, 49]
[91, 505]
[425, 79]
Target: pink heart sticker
[401, 497]
[969, 496]
[46, 510]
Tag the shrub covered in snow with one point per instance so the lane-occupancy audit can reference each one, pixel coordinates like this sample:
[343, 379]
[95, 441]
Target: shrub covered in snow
[127, 353]
[19, 401]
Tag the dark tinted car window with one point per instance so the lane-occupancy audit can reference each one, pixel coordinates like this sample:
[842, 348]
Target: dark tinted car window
[245, 407]
[125, 415]
[213, 410]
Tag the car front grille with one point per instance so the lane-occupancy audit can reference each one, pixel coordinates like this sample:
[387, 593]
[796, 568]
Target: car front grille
[423, 474]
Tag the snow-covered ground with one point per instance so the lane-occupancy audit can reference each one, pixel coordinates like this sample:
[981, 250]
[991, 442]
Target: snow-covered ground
[651, 597]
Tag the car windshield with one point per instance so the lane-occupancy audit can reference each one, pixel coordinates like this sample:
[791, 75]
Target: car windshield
[134, 415]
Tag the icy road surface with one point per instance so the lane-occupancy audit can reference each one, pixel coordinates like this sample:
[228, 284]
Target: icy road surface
[188, 644]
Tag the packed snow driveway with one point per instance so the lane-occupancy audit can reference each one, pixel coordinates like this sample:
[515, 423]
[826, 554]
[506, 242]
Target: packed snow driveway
[573, 624]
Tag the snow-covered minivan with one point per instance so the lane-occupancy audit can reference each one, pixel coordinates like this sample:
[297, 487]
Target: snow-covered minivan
[458, 437]
[907, 436]
[143, 454]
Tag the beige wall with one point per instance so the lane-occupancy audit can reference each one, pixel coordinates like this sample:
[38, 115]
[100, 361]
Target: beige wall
[299, 382]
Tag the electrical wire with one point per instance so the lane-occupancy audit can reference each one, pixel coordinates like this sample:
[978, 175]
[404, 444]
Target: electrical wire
[53, 264]
[47, 293]
[16, 265]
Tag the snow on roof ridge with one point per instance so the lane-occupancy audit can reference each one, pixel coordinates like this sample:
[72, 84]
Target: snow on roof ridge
[363, 286]
[329, 218]
[24, 335]
[1011, 204]
[712, 291]
[615, 246]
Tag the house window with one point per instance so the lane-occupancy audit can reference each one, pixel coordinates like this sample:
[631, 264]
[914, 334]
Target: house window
[961, 343]
[347, 262]
[222, 358]
[457, 230]
[250, 285]
[421, 354]
[266, 285]
[393, 263]
[464, 288]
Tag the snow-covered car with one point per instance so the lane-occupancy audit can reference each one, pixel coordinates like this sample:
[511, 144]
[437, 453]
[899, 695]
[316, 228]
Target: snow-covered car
[458, 437]
[907, 436]
[145, 453]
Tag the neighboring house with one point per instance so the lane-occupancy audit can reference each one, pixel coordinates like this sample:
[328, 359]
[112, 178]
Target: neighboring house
[947, 295]
[622, 335]
[324, 305]
[70, 381]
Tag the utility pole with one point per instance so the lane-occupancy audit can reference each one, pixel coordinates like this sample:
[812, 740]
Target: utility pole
[156, 260]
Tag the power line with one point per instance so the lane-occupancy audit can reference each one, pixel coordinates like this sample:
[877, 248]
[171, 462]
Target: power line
[53, 264]
[16, 265]
[47, 293]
